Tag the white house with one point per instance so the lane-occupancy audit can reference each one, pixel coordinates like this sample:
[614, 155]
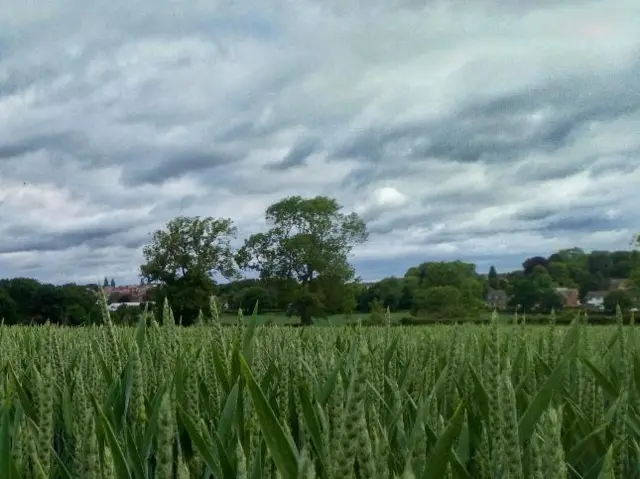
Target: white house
[114, 306]
[595, 300]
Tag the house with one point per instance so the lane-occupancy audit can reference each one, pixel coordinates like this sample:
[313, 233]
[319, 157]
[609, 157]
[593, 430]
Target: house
[136, 292]
[616, 283]
[496, 299]
[570, 297]
[594, 300]
[115, 306]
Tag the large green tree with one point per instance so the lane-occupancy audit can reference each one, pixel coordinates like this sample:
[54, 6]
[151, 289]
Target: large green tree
[308, 238]
[184, 257]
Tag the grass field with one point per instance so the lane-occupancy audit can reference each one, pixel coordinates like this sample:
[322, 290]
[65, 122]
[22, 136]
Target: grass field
[250, 401]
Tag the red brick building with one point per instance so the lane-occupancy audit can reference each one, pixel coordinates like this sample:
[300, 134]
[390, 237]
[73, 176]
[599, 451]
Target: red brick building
[570, 297]
[132, 293]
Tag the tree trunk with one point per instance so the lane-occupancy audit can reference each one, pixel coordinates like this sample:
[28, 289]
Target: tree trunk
[305, 317]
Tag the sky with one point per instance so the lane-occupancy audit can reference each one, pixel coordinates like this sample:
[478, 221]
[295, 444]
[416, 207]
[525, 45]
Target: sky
[487, 131]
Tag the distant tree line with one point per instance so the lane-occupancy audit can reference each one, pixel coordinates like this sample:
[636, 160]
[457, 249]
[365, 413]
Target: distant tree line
[302, 269]
[27, 301]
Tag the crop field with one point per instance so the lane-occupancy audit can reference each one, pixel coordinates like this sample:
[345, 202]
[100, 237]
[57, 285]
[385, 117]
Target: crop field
[253, 401]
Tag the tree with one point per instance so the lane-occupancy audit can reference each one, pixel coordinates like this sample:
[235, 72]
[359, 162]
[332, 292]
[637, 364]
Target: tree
[622, 263]
[184, 257]
[50, 301]
[525, 294]
[561, 274]
[590, 282]
[530, 263]
[615, 298]
[307, 238]
[248, 297]
[190, 246]
[338, 296]
[535, 292]
[634, 280]
[574, 255]
[600, 262]
[389, 291]
[448, 273]
[494, 282]
[23, 291]
[439, 300]
[541, 278]
[549, 300]
[8, 308]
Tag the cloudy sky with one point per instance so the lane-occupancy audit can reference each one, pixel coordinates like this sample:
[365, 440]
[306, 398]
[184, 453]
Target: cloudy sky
[477, 130]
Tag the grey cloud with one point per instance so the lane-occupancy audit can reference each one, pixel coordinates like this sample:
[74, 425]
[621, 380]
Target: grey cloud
[11, 148]
[179, 204]
[177, 165]
[498, 130]
[534, 214]
[584, 220]
[549, 170]
[97, 237]
[298, 154]
[581, 224]
[476, 134]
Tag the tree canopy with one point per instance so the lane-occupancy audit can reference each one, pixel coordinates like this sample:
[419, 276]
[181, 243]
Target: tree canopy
[184, 257]
[307, 239]
[192, 246]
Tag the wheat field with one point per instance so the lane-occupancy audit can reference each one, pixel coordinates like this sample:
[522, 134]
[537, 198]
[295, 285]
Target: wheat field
[249, 401]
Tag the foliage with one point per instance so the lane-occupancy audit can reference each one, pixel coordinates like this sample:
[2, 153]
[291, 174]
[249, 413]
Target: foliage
[184, 257]
[187, 295]
[307, 239]
[440, 300]
[8, 308]
[247, 298]
[617, 298]
[530, 264]
[535, 294]
[378, 313]
[24, 300]
[494, 281]
[190, 246]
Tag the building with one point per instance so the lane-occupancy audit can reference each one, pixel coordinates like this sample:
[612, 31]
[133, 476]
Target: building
[129, 293]
[616, 283]
[594, 300]
[496, 299]
[114, 306]
[570, 297]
